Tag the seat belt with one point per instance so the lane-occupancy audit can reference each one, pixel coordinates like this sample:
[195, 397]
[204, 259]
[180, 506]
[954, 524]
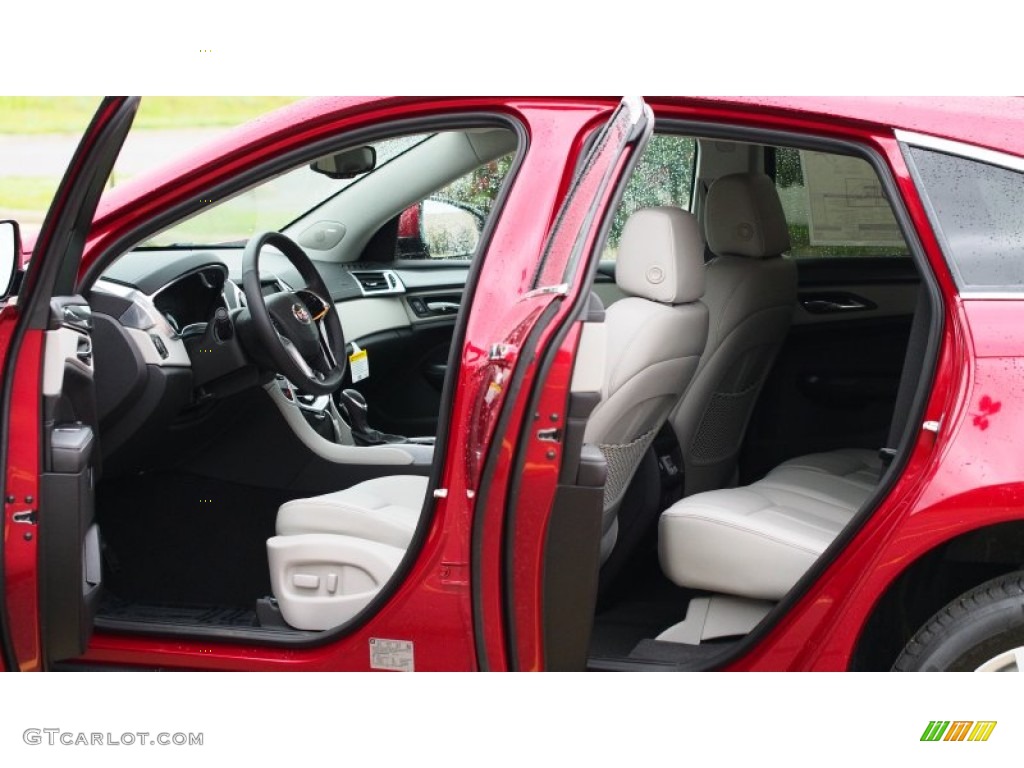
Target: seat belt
[913, 362]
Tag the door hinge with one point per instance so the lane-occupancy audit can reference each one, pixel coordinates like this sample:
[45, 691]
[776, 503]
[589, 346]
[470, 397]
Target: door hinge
[28, 517]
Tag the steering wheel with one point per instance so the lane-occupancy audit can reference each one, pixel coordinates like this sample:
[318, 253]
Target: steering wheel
[299, 329]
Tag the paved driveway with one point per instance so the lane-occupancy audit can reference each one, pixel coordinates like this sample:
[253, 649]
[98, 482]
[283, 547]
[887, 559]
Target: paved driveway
[48, 154]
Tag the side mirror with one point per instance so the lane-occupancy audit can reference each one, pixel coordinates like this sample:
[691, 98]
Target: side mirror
[10, 255]
[347, 164]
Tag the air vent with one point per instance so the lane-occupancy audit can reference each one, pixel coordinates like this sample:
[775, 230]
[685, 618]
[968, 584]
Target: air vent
[376, 282]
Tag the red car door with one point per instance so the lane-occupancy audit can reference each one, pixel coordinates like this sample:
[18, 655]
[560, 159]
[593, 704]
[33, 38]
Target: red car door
[51, 565]
[538, 561]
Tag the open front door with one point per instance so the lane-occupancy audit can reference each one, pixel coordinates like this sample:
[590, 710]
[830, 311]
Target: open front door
[51, 553]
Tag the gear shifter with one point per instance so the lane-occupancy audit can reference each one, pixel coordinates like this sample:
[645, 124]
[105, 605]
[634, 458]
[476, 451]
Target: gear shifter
[356, 409]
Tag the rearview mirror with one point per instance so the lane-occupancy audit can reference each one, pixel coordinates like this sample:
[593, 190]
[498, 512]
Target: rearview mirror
[347, 164]
[10, 255]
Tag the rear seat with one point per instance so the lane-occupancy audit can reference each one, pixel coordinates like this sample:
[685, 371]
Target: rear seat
[758, 540]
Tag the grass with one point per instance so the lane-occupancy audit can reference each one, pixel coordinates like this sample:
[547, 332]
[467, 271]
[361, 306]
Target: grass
[27, 193]
[71, 114]
[29, 197]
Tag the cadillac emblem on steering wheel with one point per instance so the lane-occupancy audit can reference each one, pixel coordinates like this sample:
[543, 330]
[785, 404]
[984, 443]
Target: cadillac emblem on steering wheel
[301, 314]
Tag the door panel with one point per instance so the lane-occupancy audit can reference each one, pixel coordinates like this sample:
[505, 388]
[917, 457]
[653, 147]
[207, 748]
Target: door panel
[69, 556]
[834, 382]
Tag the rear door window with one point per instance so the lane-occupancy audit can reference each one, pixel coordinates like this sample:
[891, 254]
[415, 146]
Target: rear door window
[664, 176]
[834, 206]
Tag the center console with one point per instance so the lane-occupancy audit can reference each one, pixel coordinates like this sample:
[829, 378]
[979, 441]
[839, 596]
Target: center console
[339, 429]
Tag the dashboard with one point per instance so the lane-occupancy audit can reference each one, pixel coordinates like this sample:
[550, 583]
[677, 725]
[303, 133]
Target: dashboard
[186, 287]
[193, 298]
[164, 351]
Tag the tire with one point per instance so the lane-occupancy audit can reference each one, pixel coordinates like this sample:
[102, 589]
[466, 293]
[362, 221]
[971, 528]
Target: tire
[981, 628]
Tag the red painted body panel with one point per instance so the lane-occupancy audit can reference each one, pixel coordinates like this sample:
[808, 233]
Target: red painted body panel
[966, 476]
[21, 542]
[990, 122]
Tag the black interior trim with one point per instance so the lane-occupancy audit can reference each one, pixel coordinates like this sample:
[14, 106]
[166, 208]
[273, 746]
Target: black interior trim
[140, 273]
[856, 270]
[570, 597]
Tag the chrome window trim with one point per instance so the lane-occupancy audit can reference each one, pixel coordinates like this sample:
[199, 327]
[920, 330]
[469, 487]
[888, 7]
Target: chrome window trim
[992, 295]
[969, 151]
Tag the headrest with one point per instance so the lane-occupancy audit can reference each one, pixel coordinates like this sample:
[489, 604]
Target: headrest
[661, 256]
[744, 217]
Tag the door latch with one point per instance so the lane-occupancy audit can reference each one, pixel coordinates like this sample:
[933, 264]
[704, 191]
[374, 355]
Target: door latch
[28, 517]
[549, 435]
[501, 353]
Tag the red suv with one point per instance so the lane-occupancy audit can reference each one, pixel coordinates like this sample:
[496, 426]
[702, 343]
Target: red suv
[525, 383]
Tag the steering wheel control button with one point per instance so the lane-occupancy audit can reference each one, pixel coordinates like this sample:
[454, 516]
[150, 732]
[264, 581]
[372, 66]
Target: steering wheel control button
[161, 348]
[306, 580]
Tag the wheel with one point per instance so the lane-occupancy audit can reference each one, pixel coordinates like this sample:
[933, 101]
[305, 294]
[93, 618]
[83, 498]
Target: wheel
[299, 330]
[980, 631]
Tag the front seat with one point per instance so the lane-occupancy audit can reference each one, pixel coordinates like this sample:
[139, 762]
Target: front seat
[750, 294]
[655, 337]
[334, 552]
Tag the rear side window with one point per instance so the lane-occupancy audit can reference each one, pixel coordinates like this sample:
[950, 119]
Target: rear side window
[664, 176]
[977, 209]
[834, 206]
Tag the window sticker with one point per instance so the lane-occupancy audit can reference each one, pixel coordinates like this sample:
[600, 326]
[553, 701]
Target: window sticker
[846, 204]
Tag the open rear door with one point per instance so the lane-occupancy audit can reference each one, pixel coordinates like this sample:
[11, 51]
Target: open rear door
[51, 550]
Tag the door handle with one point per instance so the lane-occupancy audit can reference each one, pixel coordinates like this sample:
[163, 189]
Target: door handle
[442, 306]
[831, 303]
[820, 306]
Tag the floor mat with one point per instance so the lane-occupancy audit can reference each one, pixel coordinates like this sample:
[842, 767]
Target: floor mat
[639, 606]
[179, 539]
[115, 609]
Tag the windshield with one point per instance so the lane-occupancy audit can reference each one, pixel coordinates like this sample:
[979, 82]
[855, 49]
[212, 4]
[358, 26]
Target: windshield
[271, 205]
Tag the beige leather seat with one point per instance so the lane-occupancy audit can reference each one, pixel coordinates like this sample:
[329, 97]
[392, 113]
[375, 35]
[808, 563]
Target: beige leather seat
[758, 540]
[334, 552]
[655, 337]
[750, 294]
